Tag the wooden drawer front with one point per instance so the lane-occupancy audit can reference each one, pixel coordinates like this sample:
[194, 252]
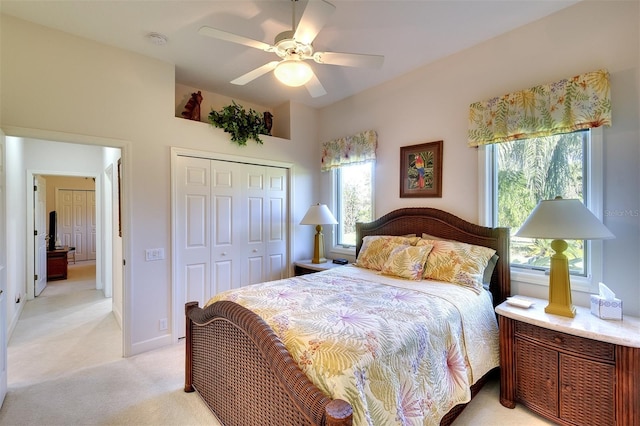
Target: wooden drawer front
[537, 377]
[586, 391]
[299, 270]
[567, 342]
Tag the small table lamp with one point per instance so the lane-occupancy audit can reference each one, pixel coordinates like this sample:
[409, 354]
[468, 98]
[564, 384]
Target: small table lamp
[318, 215]
[561, 220]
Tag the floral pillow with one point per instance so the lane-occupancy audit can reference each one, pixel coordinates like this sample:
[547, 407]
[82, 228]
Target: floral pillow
[488, 271]
[376, 249]
[407, 261]
[457, 263]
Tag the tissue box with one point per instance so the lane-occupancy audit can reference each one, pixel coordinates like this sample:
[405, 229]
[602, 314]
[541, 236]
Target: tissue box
[606, 309]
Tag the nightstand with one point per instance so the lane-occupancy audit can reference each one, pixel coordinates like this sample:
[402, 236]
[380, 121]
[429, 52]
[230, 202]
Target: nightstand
[303, 267]
[573, 371]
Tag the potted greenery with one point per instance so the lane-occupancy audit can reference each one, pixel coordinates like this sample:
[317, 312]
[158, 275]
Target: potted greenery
[242, 125]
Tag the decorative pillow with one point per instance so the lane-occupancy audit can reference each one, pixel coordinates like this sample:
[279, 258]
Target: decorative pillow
[375, 249]
[407, 261]
[488, 271]
[457, 263]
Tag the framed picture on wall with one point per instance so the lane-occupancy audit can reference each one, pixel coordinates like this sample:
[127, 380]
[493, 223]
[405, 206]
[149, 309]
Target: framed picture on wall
[421, 170]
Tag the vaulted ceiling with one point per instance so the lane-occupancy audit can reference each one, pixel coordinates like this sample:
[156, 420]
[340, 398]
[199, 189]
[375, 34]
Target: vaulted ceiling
[409, 34]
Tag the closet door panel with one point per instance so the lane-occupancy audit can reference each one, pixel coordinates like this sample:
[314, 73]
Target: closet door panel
[276, 221]
[226, 218]
[91, 225]
[79, 236]
[193, 247]
[65, 217]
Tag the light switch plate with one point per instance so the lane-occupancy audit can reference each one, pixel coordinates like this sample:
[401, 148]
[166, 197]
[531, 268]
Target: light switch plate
[154, 254]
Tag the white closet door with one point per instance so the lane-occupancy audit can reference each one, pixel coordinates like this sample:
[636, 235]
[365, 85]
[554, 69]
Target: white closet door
[231, 227]
[226, 222]
[251, 230]
[65, 217]
[79, 224]
[276, 223]
[77, 221]
[91, 225]
[193, 247]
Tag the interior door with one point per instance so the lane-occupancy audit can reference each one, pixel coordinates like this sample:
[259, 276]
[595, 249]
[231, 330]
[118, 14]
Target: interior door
[3, 277]
[79, 224]
[40, 240]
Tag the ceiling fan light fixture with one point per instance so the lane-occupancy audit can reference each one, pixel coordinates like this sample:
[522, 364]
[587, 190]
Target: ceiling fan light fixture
[293, 72]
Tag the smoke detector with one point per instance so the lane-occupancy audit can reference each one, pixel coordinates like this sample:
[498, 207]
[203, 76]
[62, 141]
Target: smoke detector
[157, 39]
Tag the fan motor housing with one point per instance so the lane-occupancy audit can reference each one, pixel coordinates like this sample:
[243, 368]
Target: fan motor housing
[287, 46]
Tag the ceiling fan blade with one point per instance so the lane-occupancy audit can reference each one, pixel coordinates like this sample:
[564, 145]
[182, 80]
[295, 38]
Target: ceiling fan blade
[349, 59]
[314, 17]
[252, 75]
[234, 38]
[315, 88]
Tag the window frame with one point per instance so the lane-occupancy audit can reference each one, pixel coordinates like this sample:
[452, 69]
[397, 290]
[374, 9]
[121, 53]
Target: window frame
[593, 188]
[339, 248]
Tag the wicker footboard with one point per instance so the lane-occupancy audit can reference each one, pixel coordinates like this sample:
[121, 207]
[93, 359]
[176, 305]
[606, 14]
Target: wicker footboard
[245, 374]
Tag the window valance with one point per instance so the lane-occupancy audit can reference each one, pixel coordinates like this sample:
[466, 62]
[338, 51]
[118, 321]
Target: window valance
[357, 148]
[571, 104]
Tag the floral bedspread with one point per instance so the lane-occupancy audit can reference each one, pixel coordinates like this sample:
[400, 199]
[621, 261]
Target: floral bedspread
[400, 352]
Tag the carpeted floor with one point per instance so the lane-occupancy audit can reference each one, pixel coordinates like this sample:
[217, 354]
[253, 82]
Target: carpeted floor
[65, 368]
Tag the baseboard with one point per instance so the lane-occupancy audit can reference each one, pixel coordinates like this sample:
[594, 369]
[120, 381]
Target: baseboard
[151, 344]
[14, 320]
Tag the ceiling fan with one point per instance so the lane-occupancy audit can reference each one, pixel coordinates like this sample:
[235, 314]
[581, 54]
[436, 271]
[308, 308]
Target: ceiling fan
[294, 47]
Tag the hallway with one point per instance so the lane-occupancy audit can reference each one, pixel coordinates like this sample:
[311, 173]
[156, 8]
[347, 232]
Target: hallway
[65, 366]
[69, 326]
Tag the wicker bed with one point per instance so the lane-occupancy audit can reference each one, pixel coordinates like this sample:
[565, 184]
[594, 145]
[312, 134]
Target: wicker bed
[246, 376]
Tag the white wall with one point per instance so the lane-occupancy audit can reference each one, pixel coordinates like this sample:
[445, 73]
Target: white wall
[59, 83]
[16, 187]
[432, 103]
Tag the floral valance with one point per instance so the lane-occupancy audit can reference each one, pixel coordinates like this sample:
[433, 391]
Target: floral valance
[571, 104]
[357, 148]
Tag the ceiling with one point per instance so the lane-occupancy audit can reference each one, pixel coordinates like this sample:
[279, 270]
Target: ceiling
[408, 34]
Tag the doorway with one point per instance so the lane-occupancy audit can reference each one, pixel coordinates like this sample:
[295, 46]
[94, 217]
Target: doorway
[93, 161]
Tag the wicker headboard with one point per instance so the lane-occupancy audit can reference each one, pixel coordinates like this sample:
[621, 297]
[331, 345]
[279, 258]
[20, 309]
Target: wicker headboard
[418, 220]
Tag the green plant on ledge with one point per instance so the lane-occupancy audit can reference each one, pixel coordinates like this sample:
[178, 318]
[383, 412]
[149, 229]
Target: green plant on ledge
[242, 125]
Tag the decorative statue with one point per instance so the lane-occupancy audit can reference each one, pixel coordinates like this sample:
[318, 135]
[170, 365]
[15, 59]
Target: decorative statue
[192, 108]
[268, 122]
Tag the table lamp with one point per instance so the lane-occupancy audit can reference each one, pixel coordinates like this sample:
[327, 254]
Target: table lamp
[560, 220]
[318, 215]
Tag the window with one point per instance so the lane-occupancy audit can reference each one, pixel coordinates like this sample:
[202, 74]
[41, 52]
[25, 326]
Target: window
[523, 172]
[354, 200]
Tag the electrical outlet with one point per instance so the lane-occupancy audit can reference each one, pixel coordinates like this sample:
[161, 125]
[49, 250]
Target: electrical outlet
[163, 324]
[154, 254]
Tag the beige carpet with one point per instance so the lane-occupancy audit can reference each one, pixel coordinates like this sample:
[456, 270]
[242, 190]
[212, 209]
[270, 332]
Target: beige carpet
[65, 368]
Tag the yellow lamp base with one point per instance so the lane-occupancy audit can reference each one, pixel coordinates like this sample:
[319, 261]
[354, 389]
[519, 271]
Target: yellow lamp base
[318, 246]
[559, 285]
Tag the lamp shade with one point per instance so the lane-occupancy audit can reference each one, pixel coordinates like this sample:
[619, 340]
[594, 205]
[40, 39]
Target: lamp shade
[563, 219]
[293, 72]
[318, 214]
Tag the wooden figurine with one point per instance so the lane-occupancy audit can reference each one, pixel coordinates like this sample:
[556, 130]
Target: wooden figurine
[192, 108]
[268, 122]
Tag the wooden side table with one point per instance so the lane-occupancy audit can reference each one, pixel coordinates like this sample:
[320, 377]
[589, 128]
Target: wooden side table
[573, 371]
[303, 267]
[57, 264]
